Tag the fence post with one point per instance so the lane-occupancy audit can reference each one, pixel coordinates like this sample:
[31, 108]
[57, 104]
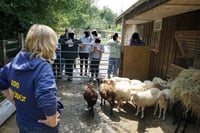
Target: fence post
[21, 40]
[4, 52]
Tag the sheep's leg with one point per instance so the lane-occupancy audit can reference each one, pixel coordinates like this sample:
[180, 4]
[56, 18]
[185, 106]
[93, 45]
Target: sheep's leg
[138, 110]
[101, 102]
[112, 103]
[160, 111]
[92, 111]
[142, 116]
[119, 102]
[164, 112]
[185, 125]
[156, 108]
[174, 120]
[179, 123]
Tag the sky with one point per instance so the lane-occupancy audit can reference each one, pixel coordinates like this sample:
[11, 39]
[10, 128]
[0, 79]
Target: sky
[117, 6]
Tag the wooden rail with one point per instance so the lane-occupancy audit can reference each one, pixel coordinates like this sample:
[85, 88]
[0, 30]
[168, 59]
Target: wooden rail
[8, 48]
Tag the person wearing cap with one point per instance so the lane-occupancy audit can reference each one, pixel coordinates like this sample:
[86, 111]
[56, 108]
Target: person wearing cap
[84, 51]
[96, 50]
[114, 57]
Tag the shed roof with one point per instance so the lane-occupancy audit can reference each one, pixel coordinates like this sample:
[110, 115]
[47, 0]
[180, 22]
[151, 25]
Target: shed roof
[149, 10]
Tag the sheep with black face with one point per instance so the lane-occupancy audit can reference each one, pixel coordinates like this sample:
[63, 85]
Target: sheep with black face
[180, 113]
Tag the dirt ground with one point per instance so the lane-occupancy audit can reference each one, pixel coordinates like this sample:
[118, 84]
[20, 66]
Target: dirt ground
[75, 118]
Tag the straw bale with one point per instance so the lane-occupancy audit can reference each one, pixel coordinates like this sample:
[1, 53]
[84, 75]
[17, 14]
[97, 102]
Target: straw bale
[186, 87]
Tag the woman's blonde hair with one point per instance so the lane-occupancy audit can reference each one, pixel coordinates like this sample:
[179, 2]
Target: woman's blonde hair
[41, 42]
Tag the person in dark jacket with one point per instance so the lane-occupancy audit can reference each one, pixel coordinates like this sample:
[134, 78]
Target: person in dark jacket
[70, 53]
[64, 36]
[135, 40]
[30, 77]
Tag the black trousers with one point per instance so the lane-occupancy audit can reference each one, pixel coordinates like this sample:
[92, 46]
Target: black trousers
[69, 66]
[57, 67]
[94, 67]
[83, 59]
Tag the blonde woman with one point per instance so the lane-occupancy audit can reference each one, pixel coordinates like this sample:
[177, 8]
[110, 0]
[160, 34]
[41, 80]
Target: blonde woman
[30, 77]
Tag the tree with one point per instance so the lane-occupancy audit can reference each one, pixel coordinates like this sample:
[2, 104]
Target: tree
[18, 15]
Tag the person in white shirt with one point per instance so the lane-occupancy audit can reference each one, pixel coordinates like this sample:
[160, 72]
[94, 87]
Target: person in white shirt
[84, 51]
[96, 50]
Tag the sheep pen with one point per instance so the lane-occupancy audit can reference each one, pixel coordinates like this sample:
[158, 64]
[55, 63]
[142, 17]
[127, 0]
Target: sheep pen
[75, 119]
[186, 87]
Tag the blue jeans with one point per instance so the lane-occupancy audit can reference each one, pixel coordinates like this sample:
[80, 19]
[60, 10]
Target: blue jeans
[113, 66]
[45, 129]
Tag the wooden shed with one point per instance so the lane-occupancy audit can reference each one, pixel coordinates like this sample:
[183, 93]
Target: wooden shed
[171, 31]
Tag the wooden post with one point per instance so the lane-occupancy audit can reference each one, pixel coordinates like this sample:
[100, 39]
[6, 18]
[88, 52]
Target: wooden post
[21, 40]
[4, 52]
[122, 44]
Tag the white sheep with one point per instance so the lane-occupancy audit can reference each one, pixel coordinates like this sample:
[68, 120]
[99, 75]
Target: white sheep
[119, 79]
[163, 99]
[123, 92]
[144, 98]
[123, 87]
[158, 81]
[148, 84]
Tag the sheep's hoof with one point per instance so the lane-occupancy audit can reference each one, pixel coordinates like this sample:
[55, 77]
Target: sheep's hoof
[136, 114]
[142, 117]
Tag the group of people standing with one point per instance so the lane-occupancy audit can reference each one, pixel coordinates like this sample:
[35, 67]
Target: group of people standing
[87, 48]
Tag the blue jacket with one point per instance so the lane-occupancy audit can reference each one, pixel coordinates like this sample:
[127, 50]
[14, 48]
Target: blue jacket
[34, 88]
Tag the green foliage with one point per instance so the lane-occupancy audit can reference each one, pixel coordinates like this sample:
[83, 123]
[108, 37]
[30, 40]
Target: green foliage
[18, 15]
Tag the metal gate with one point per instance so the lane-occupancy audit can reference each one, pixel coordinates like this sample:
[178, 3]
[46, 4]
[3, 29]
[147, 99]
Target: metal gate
[59, 66]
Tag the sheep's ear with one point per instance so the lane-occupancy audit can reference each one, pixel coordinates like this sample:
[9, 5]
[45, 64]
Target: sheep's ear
[90, 83]
[131, 98]
[111, 81]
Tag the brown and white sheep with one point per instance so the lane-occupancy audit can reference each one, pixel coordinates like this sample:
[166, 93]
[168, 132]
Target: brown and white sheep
[123, 87]
[163, 100]
[90, 95]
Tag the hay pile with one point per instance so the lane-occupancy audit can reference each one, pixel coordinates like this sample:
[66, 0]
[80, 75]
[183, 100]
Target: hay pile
[186, 87]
